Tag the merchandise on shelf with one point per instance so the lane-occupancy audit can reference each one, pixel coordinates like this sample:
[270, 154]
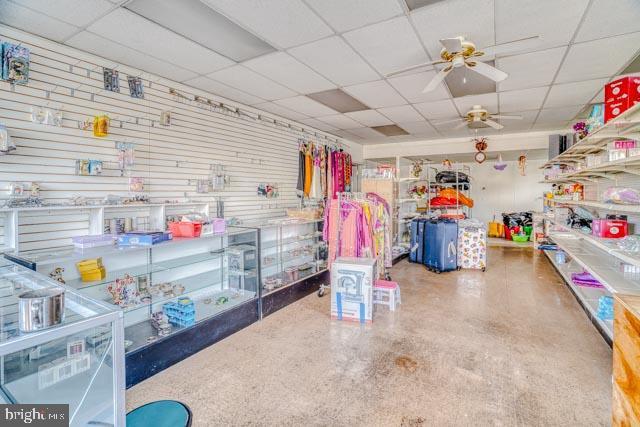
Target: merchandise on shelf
[91, 270]
[620, 95]
[621, 195]
[181, 313]
[185, 229]
[15, 63]
[93, 241]
[609, 228]
[143, 238]
[605, 307]
[585, 279]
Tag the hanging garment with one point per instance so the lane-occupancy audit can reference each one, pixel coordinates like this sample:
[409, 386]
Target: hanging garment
[308, 172]
[340, 171]
[330, 190]
[323, 171]
[300, 185]
[347, 172]
[316, 188]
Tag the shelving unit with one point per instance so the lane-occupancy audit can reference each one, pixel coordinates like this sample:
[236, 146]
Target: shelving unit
[460, 186]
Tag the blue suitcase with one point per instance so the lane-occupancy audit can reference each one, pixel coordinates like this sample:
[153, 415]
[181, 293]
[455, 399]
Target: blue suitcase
[440, 247]
[417, 233]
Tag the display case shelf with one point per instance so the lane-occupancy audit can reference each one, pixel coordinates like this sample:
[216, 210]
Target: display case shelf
[599, 205]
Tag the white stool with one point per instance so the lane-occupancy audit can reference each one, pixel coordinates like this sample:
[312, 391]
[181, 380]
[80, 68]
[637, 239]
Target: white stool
[386, 292]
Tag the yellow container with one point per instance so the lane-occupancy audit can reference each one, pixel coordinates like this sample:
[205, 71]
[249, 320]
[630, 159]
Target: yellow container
[101, 125]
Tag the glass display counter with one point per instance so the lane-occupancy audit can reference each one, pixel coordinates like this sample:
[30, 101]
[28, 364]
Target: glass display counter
[79, 362]
[161, 289]
[291, 251]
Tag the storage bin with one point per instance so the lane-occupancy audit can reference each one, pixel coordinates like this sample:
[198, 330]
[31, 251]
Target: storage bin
[219, 225]
[185, 229]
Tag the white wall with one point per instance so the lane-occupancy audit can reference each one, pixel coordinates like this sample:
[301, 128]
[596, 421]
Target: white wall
[495, 191]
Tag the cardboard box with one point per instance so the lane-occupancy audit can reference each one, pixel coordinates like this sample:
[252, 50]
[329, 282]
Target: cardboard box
[609, 228]
[620, 95]
[352, 289]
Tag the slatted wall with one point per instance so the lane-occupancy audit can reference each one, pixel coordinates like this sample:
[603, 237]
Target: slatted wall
[169, 159]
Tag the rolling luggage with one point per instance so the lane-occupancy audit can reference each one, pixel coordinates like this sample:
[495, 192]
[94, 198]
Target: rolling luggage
[472, 245]
[440, 247]
[417, 240]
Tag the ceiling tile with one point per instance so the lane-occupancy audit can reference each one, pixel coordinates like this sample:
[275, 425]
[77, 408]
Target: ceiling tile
[200, 23]
[28, 20]
[523, 99]
[531, 69]
[315, 123]
[554, 21]
[347, 15]
[419, 128]
[578, 93]
[375, 94]
[598, 58]
[287, 71]
[283, 23]
[411, 86]
[223, 90]
[561, 127]
[390, 130]
[132, 30]
[280, 110]
[305, 105]
[75, 12]
[605, 19]
[401, 113]
[246, 80]
[348, 135]
[454, 18]
[489, 101]
[437, 109]
[388, 46]
[463, 82]
[107, 49]
[367, 133]
[341, 121]
[369, 118]
[323, 55]
[338, 100]
[558, 115]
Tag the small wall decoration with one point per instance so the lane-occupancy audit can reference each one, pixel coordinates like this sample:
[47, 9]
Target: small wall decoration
[6, 145]
[15, 63]
[17, 189]
[126, 156]
[219, 180]
[135, 87]
[165, 118]
[136, 184]
[88, 167]
[46, 116]
[111, 80]
[522, 164]
[202, 186]
[101, 125]
[416, 169]
[270, 191]
[446, 163]
[480, 145]
[500, 165]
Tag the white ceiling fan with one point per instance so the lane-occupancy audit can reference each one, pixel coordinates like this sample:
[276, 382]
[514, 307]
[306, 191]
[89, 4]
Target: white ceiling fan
[458, 52]
[478, 117]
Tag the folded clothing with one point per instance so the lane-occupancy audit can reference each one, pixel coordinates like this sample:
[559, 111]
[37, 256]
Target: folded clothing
[605, 308]
[586, 280]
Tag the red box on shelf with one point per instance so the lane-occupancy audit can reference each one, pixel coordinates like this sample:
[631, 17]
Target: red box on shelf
[620, 95]
[185, 229]
[611, 228]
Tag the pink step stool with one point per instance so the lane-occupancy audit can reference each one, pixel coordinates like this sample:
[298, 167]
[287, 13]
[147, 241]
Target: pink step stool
[386, 292]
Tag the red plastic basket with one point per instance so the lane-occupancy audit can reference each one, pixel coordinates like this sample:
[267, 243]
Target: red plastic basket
[185, 229]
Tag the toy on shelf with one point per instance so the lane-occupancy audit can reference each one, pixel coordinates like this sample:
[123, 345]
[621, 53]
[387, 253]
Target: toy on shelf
[124, 292]
[160, 322]
[91, 269]
[181, 313]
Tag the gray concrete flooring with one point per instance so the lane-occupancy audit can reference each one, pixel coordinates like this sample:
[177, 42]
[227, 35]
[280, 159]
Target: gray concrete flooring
[508, 347]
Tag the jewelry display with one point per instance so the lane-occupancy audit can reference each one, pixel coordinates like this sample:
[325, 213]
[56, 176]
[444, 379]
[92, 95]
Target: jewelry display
[56, 275]
[160, 322]
[222, 300]
[124, 292]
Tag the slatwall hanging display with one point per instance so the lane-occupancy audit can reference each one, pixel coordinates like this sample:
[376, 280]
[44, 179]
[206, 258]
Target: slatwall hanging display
[111, 80]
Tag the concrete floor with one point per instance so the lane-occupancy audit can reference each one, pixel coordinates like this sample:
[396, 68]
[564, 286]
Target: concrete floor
[510, 346]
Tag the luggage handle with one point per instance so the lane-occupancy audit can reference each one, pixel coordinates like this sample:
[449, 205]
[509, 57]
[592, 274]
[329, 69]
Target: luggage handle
[415, 247]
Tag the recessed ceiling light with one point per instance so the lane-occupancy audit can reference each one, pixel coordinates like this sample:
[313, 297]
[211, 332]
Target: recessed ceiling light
[462, 82]
[390, 130]
[338, 100]
[416, 4]
[198, 22]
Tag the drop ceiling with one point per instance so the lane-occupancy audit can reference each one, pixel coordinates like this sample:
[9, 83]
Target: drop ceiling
[294, 58]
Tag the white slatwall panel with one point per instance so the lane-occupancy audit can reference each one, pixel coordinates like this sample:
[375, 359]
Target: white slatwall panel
[169, 158]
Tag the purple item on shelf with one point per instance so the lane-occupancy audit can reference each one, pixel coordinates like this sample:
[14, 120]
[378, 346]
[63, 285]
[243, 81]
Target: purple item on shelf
[621, 195]
[585, 279]
[92, 241]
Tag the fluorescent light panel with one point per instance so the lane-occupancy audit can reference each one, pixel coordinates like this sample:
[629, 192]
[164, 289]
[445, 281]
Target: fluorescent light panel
[338, 100]
[198, 22]
[390, 130]
[463, 82]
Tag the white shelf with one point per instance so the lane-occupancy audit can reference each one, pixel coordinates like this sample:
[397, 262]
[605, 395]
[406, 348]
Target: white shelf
[599, 205]
[629, 164]
[623, 126]
[589, 297]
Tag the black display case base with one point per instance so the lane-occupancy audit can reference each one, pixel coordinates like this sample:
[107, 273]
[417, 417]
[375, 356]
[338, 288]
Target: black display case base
[147, 361]
[285, 296]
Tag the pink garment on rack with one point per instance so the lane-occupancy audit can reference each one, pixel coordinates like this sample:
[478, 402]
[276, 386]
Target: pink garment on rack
[330, 230]
[330, 193]
[349, 230]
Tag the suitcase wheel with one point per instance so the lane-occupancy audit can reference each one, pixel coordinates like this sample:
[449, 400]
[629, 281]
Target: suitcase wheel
[438, 271]
[458, 268]
[484, 269]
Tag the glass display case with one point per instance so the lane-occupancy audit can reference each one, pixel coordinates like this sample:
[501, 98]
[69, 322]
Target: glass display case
[164, 288]
[291, 250]
[79, 362]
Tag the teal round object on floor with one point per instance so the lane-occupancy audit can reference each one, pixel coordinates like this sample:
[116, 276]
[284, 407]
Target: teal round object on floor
[162, 413]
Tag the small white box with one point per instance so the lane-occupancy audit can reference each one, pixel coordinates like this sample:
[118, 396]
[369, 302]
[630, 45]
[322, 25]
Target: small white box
[352, 289]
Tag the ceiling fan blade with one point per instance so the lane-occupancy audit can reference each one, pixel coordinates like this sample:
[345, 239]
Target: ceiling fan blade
[512, 46]
[415, 67]
[449, 121]
[493, 124]
[486, 70]
[437, 79]
[501, 117]
[461, 125]
[453, 44]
